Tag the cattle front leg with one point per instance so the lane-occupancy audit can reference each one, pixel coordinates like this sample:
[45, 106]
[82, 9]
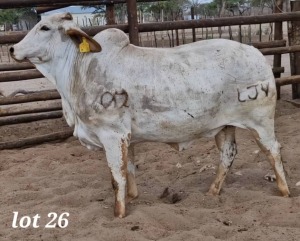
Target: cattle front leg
[227, 148]
[116, 154]
[132, 191]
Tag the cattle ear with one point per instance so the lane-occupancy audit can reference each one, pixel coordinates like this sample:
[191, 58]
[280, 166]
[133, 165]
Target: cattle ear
[80, 37]
[67, 16]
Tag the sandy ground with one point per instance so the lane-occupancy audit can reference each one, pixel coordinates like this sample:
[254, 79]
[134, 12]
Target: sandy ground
[66, 177]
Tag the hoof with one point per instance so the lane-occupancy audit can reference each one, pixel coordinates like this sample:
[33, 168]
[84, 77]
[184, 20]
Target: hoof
[120, 215]
[285, 193]
[131, 197]
[213, 191]
[120, 210]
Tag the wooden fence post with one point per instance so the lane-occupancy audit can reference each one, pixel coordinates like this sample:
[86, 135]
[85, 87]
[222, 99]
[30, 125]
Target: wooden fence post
[133, 22]
[294, 35]
[110, 14]
[278, 35]
[193, 17]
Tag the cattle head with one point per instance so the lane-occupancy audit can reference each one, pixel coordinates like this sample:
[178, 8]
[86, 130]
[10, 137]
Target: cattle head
[48, 36]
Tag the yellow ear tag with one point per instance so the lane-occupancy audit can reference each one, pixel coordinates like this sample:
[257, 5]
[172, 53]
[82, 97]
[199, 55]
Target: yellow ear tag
[84, 47]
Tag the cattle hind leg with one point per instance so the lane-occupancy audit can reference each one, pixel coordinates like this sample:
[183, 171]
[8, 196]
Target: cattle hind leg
[265, 137]
[228, 151]
[132, 191]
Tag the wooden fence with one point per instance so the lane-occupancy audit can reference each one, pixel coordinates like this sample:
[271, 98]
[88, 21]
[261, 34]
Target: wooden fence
[16, 71]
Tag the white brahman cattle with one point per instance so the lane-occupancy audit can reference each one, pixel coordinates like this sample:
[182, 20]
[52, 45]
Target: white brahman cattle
[115, 94]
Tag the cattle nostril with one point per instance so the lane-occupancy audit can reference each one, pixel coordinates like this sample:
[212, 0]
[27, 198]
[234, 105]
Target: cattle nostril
[11, 50]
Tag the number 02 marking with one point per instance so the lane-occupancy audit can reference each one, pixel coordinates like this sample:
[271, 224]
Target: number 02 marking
[61, 222]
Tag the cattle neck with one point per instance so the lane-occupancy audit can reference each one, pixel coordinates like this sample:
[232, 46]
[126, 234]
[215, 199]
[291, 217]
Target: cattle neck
[60, 67]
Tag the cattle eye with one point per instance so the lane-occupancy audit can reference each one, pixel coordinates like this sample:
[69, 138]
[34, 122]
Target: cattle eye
[45, 28]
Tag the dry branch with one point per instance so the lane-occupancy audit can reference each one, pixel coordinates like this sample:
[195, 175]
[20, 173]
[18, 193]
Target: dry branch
[10, 120]
[36, 140]
[37, 96]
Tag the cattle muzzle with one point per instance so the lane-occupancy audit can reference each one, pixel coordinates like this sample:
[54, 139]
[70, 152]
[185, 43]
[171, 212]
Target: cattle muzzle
[11, 50]
[12, 54]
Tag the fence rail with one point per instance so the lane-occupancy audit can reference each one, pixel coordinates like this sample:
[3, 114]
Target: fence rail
[37, 96]
[9, 115]
[16, 66]
[173, 25]
[37, 3]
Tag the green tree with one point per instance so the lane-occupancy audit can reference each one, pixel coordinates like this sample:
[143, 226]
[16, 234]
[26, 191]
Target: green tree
[238, 6]
[263, 4]
[8, 17]
[29, 16]
[235, 7]
[156, 9]
[207, 9]
[170, 9]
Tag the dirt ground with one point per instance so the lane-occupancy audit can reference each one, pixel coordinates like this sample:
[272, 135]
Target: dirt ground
[66, 177]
